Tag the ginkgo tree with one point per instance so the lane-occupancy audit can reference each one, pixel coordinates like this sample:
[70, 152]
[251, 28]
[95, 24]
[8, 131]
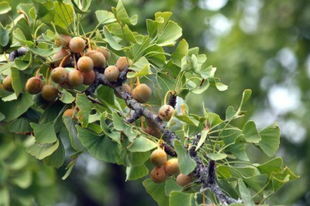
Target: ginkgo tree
[119, 95]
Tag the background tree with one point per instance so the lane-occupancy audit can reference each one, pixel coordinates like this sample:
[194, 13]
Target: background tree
[234, 12]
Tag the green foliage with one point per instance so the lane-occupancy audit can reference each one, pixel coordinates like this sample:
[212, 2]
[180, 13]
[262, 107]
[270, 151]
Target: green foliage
[99, 127]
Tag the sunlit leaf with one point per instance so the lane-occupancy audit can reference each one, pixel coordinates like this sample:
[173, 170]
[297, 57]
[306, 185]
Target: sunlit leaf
[270, 141]
[136, 172]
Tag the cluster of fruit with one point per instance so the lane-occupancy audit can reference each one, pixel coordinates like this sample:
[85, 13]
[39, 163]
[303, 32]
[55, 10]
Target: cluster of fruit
[163, 168]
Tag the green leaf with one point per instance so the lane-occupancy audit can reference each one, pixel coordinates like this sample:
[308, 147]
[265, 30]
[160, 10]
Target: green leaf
[217, 156]
[136, 172]
[116, 136]
[245, 193]
[23, 179]
[141, 144]
[13, 109]
[121, 14]
[81, 9]
[186, 163]
[105, 17]
[74, 140]
[2, 117]
[157, 191]
[204, 134]
[121, 126]
[66, 97]
[17, 159]
[243, 172]
[141, 68]
[181, 198]
[256, 182]
[4, 7]
[101, 147]
[230, 113]
[24, 26]
[84, 107]
[5, 37]
[44, 133]
[170, 34]
[69, 170]
[20, 37]
[122, 32]
[111, 40]
[221, 87]
[250, 132]
[270, 139]
[274, 165]
[106, 94]
[4, 197]
[57, 158]
[25, 62]
[188, 119]
[245, 97]
[18, 81]
[180, 52]
[172, 185]
[156, 55]
[238, 149]
[40, 151]
[64, 15]
[278, 180]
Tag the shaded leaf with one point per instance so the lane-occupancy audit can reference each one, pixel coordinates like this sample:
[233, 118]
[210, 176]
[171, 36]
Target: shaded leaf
[186, 163]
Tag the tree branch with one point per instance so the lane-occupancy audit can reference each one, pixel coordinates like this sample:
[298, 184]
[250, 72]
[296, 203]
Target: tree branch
[205, 175]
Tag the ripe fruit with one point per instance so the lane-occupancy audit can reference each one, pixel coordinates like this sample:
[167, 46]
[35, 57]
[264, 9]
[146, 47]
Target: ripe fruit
[158, 174]
[89, 77]
[165, 112]
[158, 157]
[85, 64]
[77, 44]
[104, 51]
[70, 113]
[142, 93]
[34, 85]
[122, 63]
[49, 92]
[63, 40]
[183, 180]
[60, 55]
[97, 57]
[59, 75]
[172, 166]
[111, 73]
[75, 78]
[7, 84]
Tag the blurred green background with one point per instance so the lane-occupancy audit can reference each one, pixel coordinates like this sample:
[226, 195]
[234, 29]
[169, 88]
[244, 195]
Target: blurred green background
[262, 45]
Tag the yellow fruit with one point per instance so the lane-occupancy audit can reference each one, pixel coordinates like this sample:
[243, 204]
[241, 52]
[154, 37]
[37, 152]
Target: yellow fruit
[183, 180]
[158, 174]
[59, 75]
[85, 64]
[111, 73]
[60, 55]
[34, 85]
[75, 78]
[89, 77]
[142, 93]
[158, 157]
[104, 51]
[70, 113]
[77, 44]
[63, 40]
[172, 166]
[122, 63]
[49, 93]
[97, 57]
[165, 112]
[7, 84]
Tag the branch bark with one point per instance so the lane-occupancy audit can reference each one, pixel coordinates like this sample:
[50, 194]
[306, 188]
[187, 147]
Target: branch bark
[206, 175]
